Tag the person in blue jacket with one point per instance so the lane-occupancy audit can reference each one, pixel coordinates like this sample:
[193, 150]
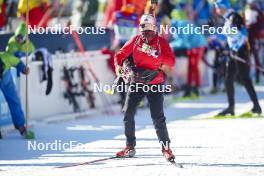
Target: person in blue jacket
[193, 44]
[8, 88]
[17, 48]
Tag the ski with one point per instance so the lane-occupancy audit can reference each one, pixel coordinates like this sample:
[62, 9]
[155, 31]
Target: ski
[250, 114]
[88, 162]
[174, 163]
[224, 117]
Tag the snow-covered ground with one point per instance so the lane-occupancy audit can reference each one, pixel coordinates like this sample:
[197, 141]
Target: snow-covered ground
[205, 147]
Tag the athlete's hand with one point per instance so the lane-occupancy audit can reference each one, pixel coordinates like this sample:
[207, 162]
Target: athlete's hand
[26, 70]
[118, 70]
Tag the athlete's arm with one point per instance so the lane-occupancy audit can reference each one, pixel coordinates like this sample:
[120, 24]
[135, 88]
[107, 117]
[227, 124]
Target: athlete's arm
[168, 58]
[124, 52]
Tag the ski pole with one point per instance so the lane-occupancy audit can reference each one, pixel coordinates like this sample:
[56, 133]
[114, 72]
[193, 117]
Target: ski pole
[27, 43]
[111, 91]
[237, 58]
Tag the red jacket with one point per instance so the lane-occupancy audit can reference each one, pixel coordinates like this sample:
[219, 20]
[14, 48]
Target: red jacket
[143, 60]
[3, 17]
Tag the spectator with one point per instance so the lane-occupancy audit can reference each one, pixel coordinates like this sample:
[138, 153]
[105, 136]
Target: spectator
[10, 93]
[254, 20]
[125, 24]
[89, 12]
[76, 13]
[192, 45]
[17, 43]
[218, 44]
[239, 48]
[37, 10]
[111, 7]
[114, 5]
[179, 17]
[201, 11]
[16, 47]
[195, 54]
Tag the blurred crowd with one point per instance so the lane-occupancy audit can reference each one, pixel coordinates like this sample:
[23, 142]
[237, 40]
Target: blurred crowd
[122, 18]
[180, 13]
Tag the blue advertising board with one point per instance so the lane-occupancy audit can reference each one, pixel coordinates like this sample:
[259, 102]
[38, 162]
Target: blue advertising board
[63, 42]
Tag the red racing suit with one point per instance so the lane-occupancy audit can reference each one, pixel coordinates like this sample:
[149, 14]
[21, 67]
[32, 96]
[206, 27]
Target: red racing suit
[3, 18]
[144, 60]
[195, 55]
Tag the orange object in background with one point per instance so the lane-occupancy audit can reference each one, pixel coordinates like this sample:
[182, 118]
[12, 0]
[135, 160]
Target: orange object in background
[111, 8]
[139, 5]
[116, 5]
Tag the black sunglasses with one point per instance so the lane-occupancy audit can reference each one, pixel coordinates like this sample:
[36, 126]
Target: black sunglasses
[142, 25]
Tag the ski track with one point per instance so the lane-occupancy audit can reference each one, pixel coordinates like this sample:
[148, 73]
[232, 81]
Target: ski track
[232, 147]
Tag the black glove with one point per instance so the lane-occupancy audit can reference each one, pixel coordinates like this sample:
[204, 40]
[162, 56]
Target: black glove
[50, 81]
[1, 68]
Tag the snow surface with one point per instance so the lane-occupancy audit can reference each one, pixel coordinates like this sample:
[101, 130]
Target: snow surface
[205, 147]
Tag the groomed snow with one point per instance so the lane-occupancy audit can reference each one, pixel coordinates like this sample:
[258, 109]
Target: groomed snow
[205, 147]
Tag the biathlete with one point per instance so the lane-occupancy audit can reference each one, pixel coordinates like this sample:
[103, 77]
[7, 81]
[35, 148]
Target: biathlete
[152, 54]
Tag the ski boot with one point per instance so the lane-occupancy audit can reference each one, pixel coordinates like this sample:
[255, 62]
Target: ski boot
[167, 153]
[127, 152]
[187, 92]
[27, 134]
[256, 110]
[257, 81]
[227, 111]
[196, 91]
[214, 91]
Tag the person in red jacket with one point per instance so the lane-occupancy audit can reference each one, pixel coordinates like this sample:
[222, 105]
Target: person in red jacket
[152, 55]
